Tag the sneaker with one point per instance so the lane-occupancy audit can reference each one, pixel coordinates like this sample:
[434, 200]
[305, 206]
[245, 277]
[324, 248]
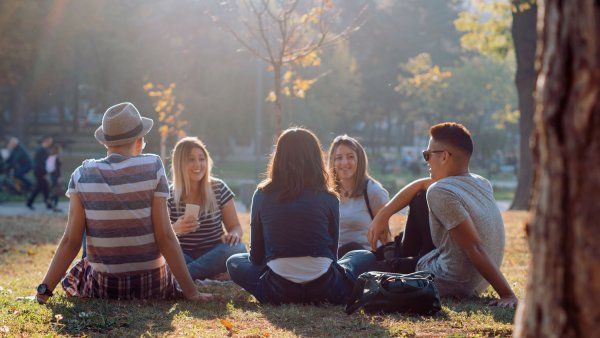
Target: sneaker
[56, 210]
[30, 207]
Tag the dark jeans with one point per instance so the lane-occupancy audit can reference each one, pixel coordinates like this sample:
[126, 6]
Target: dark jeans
[84, 246]
[41, 185]
[53, 199]
[414, 242]
[333, 287]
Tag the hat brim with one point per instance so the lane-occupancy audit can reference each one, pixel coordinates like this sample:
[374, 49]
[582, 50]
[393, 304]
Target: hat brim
[146, 127]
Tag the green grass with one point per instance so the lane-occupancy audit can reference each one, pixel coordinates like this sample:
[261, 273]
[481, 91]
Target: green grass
[27, 245]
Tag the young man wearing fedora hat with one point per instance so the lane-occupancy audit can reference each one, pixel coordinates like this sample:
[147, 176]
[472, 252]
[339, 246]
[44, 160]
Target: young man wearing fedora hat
[120, 202]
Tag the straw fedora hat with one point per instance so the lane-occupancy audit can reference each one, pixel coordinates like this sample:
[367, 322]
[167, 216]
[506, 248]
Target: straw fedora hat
[122, 124]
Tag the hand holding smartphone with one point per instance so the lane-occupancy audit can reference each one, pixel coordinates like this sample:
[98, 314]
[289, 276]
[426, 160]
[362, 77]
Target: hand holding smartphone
[191, 212]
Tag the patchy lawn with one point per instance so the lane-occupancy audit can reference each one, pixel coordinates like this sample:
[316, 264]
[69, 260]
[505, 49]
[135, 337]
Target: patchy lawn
[27, 245]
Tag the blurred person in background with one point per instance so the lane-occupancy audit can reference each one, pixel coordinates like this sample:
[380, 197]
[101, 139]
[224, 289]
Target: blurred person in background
[39, 171]
[19, 162]
[53, 167]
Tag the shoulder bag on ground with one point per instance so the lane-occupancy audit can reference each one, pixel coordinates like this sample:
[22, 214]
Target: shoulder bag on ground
[394, 292]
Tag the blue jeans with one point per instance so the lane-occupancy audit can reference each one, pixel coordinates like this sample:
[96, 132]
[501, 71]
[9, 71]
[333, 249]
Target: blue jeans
[335, 286]
[84, 245]
[212, 261]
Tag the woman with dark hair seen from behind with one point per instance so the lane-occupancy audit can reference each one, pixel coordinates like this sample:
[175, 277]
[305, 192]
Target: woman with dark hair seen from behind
[294, 231]
[361, 196]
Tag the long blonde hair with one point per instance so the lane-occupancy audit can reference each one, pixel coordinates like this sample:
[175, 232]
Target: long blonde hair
[181, 179]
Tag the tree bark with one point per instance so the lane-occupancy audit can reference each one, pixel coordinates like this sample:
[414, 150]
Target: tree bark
[564, 278]
[524, 37]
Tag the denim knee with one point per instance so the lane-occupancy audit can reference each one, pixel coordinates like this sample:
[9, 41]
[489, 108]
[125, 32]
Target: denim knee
[234, 261]
[236, 249]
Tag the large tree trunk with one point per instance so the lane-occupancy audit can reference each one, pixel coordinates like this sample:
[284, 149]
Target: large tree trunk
[524, 37]
[564, 279]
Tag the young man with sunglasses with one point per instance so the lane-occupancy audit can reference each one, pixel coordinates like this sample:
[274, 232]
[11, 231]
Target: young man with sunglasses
[454, 229]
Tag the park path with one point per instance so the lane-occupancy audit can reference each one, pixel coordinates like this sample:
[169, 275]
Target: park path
[19, 209]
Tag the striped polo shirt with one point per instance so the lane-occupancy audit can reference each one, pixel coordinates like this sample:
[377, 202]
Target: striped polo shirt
[210, 225]
[117, 193]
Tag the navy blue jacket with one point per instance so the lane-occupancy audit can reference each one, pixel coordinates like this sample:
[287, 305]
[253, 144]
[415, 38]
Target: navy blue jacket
[305, 226]
[19, 159]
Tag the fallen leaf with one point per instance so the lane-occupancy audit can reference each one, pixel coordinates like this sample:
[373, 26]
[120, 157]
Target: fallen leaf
[4, 329]
[229, 326]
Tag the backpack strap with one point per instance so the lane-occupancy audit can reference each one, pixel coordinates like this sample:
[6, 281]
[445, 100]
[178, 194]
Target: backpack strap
[356, 299]
[366, 197]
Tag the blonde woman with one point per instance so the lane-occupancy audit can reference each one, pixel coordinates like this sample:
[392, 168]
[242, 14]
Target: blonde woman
[361, 196]
[205, 245]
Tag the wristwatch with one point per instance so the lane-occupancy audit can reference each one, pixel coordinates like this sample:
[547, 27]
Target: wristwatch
[43, 289]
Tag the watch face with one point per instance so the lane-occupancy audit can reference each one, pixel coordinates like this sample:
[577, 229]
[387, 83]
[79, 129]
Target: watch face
[41, 289]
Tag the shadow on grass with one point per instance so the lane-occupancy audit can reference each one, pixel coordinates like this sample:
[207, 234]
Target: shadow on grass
[126, 318]
[479, 306]
[330, 320]
[322, 320]
[307, 320]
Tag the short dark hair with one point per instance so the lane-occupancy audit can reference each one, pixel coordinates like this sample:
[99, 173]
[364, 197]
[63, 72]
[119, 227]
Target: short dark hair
[454, 134]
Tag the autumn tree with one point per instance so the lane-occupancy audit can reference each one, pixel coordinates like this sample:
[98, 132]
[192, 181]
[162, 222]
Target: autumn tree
[563, 287]
[433, 94]
[170, 121]
[499, 29]
[287, 35]
[393, 32]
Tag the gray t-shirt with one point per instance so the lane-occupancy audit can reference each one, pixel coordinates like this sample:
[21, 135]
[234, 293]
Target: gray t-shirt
[451, 200]
[354, 215]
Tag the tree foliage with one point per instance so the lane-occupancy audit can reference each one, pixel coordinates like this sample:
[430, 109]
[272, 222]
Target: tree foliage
[287, 35]
[81, 57]
[170, 122]
[478, 93]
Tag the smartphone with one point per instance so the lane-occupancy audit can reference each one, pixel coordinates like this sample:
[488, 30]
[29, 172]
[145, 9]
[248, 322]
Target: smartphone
[191, 211]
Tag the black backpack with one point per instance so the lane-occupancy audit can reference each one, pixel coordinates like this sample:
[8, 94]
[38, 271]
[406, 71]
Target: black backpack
[412, 293]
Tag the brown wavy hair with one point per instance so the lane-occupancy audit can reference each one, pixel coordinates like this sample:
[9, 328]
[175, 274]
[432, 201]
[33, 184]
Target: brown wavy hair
[362, 165]
[297, 163]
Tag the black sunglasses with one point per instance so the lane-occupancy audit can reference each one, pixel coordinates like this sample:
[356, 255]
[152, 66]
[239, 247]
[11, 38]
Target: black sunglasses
[427, 154]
